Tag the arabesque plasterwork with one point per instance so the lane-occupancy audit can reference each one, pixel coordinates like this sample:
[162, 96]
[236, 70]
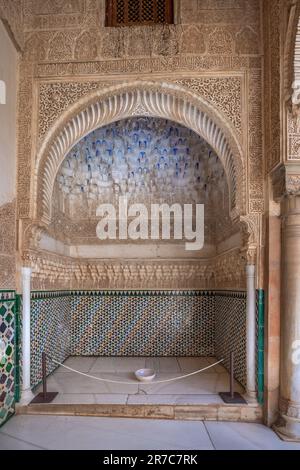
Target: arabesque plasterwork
[7, 245]
[71, 64]
[118, 102]
[57, 272]
[223, 92]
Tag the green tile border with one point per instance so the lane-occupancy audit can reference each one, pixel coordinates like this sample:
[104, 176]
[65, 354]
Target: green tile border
[17, 348]
[260, 346]
[39, 295]
[10, 296]
[7, 295]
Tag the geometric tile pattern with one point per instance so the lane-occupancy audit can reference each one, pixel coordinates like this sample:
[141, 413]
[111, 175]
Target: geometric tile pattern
[7, 355]
[138, 323]
[50, 333]
[18, 347]
[231, 331]
[260, 327]
[143, 325]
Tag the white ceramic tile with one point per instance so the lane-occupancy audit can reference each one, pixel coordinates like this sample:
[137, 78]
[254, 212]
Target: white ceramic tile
[193, 385]
[223, 384]
[122, 369]
[111, 399]
[243, 436]
[190, 364]
[219, 368]
[74, 383]
[152, 363]
[198, 399]
[11, 443]
[83, 364]
[75, 399]
[129, 364]
[168, 365]
[61, 432]
[142, 399]
[104, 364]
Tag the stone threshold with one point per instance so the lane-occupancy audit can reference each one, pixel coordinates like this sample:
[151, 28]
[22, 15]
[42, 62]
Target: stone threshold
[251, 413]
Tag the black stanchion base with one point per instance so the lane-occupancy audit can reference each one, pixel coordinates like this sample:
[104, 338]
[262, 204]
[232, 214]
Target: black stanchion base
[42, 398]
[236, 399]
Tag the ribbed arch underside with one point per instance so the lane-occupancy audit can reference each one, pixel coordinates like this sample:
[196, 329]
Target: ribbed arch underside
[123, 105]
[297, 55]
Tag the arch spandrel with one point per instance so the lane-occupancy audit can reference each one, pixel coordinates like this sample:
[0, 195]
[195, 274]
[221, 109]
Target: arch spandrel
[137, 99]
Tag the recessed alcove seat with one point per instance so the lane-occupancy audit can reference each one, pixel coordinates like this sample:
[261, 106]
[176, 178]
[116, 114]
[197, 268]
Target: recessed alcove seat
[194, 398]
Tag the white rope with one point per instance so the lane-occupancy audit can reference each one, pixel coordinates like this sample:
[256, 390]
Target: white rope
[133, 383]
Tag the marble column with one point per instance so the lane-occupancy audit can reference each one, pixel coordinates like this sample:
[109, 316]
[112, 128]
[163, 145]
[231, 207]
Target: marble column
[26, 395]
[251, 332]
[288, 425]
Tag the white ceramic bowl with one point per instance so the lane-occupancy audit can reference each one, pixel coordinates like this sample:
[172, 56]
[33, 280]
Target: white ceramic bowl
[145, 375]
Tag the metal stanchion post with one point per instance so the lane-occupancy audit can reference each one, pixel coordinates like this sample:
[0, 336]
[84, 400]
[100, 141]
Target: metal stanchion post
[44, 369]
[44, 396]
[232, 397]
[232, 375]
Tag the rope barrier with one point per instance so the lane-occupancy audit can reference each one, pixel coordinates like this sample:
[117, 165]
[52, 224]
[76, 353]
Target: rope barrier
[132, 383]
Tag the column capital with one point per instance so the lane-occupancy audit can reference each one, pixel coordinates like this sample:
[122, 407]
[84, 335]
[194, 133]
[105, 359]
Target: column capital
[291, 205]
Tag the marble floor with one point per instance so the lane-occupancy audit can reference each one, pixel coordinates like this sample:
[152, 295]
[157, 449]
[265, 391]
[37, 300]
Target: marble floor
[202, 388]
[83, 433]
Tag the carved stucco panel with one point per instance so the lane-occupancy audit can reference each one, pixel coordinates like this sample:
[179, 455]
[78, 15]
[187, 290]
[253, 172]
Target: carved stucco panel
[54, 98]
[57, 272]
[293, 131]
[24, 144]
[223, 92]
[86, 41]
[147, 65]
[272, 48]
[255, 137]
[161, 101]
[7, 245]
[70, 38]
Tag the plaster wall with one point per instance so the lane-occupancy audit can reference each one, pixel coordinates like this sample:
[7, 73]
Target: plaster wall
[8, 119]
[71, 56]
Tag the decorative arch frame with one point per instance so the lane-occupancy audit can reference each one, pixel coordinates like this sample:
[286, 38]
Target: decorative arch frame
[292, 53]
[138, 98]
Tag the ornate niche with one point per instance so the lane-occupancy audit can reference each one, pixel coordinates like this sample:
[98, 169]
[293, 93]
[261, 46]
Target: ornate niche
[148, 160]
[143, 99]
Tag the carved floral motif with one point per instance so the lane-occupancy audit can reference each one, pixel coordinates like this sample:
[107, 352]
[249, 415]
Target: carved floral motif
[67, 43]
[7, 245]
[54, 272]
[54, 98]
[247, 41]
[225, 93]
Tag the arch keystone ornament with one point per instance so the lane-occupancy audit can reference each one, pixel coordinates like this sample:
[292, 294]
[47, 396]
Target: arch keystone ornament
[139, 98]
